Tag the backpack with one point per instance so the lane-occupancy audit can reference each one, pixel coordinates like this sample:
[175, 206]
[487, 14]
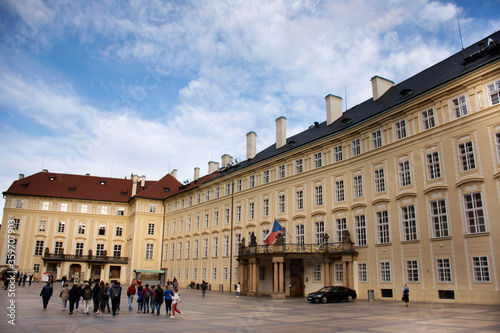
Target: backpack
[87, 293]
[147, 294]
[105, 294]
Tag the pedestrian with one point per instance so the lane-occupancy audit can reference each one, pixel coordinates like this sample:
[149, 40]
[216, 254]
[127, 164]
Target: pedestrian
[46, 293]
[25, 276]
[203, 288]
[406, 294]
[238, 290]
[19, 278]
[51, 279]
[116, 293]
[168, 299]
[80, 291]
[175, 284]
[130, 296]
[64, 296]
[30, 279]
[74, 296]
[140, 296]
[158, 300]
[103, 297]
[176, 299]
[87, 298]
[63, 280]
[147, 293]
[95, 296]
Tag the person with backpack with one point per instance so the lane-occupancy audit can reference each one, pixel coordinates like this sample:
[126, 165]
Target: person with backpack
[115, 295]
[130, 296]
[158, 300]
[146, 293]
[176, 299]
[203, 288]
[96, 296]
[87, 298]
[140, 296]
[103, 298]
[168, 299]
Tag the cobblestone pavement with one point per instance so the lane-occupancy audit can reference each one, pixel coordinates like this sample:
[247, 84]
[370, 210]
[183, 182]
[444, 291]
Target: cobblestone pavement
[223, 312]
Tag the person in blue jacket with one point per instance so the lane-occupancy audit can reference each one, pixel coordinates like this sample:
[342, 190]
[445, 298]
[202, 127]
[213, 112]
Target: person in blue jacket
[168, 293]
[46, 294]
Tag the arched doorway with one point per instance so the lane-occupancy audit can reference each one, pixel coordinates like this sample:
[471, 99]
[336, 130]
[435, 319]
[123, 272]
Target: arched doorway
[75, 271]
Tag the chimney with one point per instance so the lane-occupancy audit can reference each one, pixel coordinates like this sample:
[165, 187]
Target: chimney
[174, 173]
[333, 108]
[280, 132]
[380, 86]
[212, 167]
[21, 175]
[196, 173]
[251, 145]
[143, 181]
[45, 170]
[226, 159]
[134, 184]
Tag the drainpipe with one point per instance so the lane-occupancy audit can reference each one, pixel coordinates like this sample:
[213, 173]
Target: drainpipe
[231, 239]
[162, 241]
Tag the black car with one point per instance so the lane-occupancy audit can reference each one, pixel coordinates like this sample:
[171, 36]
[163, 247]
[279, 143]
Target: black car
[334, 293]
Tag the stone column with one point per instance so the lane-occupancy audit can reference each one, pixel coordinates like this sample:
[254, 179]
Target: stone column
[254, 278]
[344, 272]
[278, 278]
[275, 277]
[326, 267]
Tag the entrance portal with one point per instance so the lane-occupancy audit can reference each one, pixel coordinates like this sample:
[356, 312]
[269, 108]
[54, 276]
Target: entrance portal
[296, 278]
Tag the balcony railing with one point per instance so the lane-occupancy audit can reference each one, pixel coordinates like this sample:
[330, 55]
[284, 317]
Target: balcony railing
[324, 248]
[84, 258]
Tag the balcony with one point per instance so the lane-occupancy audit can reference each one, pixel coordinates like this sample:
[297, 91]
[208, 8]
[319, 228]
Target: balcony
[90, 258]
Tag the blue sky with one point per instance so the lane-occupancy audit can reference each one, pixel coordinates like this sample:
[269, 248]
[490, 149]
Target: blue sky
[119, 87]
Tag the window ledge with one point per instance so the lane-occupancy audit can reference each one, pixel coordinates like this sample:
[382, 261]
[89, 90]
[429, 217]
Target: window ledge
[470, 180]
[410, 242]
[479, 234]
[384, 244]
[438, 239]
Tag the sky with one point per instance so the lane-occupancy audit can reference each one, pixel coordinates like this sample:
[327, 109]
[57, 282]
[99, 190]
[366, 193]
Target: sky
[113, 88]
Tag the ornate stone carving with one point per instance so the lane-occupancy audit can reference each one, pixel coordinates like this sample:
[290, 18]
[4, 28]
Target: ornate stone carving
[346, 236]
[253, 240]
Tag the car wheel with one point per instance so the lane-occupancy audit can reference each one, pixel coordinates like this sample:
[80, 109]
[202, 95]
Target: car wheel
[323, 299]
[349, 298]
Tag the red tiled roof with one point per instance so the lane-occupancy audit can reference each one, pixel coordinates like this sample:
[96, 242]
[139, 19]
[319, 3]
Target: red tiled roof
[56, 185]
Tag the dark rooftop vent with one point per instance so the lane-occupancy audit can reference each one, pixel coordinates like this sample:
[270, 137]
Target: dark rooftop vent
[52, 178]
[72, 188]
[124, 192]
[25, 184]
[406, 92]
[345, 120]
[166, 189]
[492, 47]
[292, 142]
[102, 182]
[316, 124]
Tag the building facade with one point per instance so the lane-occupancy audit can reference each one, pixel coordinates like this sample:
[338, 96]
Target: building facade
[402, 188]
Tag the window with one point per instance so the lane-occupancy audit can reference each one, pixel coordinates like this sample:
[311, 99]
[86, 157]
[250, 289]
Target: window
[228, 189]
[377, 139]
[38, 248]
[262, 273]
[251, 210]
[298, 166]
[216, 218]
[226, 215]
[459, 106]
[281, 171]
[466, 156]
[120, 211]
[206, 220]
[358, 186]
[265, 176]
[239, 185]
[481, 268]
[15, 226]
[318, 195]
[319, 234]
[172, 252]
[400, 128]
[412, 270]
[190, 201]
[409, 223]
[104, 210]
[198, 198]
[19, 204]
[339, 191]
[214, 273]
[181, 226]
[225, 246]
[385, 271]
[379, 181]
[433, 167]
[238, 213]
[99, 250]
[317, 273]
[494, 92]
[300, 234]
[318, 160]
[474, 214]
[439, 218]
[299, 199]
[179, 251]
[340, 226]
[188, 249]
[149, 251]
[182, 203]
[236, 276]
[225, 274]
[215, 247]
[383, 227]
[237, 241]
[188, 224]
[404, 173]
[58, 247]
[497, 139]
[356, 147]
[339, 272]
[119, 231]
[117, 250]
[42, 225]
[151, 229]
[205, 248]
[195, 273]
[207, 195]
[64, 207]
[60, 226]
[79, 249]
[360, 225]
[186, 273]
[251, 181]
[196, 246]
[281, 203]
[265, 207]
[338, 153]
[444, 270]
[217, 192]
[102, 230]
[36, 268]
[196, 222]
[428, 119]
[362, 272]
[45, 205]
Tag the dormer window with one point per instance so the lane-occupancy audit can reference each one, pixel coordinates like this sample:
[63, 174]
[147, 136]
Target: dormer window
[52, 178]
[72, 188]
[102, 182]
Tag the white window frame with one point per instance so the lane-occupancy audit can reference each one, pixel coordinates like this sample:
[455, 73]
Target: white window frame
[281, 203]
[360, 228]
[319, 232]
[362, 272]
[317, 273]
[412, 274]
[443, 266]
[481, 269]
[215, 247]
[377, 139]
[385, 271]
[318, 160]
[265, 207]
[299, 166]
[356, 147]
[409, 223]
[340, 226]
[338, 153]
[404, 173]
[474, 213]
[339, 191]
[251, 181]
[379, 178]
[300, 237]
[357, 183]
[439, 218]
[433, 165]
[494, 92]
[466, 156]
[149, 252]
[299, 199]
[281, 171]
[318, 195]
[459, 106]
[265, 177]
[400, 129]
[383, 228]
[428, 119]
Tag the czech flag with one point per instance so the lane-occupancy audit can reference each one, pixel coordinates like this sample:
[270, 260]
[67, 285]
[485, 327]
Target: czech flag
[275, 230]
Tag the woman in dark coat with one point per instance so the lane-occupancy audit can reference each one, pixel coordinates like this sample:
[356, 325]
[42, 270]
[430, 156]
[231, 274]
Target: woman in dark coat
[74, 296]
[95, 296]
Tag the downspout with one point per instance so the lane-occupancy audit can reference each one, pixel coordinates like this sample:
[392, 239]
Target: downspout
[231, 239]
[163, 242]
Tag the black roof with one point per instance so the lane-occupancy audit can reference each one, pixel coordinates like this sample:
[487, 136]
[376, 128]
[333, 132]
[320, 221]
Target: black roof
[470, 59]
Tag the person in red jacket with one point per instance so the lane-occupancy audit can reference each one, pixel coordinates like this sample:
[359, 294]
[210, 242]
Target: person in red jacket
[130, 295]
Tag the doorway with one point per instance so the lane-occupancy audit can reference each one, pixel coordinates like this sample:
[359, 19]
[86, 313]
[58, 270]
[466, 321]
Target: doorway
[296, 278]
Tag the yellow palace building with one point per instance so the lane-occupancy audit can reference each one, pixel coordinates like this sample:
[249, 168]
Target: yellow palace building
[402, 188]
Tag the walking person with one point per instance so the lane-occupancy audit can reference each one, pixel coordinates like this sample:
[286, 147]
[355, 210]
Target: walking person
[74, 296]
[63, 280]
[80, 291]
[175, 284]
[46, 294]
[168, 293]
[238, 290]
[176, 299]
[87, 298]
[30, 279]
[130, 296]
[116, 293]
[203, 288]
[103, 298]
[25, 276]
[406, 294]
[64, 296]
[95, 296]
[140, 296]
[158, 300]
[147, 294]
